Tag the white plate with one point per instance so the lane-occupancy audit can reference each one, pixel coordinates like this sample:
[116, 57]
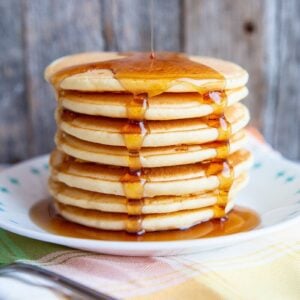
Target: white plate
[273, 192]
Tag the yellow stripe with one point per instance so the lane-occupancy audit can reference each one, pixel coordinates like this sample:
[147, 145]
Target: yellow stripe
[261, 254]
[192, 289]
[195, 268]
[212, 276]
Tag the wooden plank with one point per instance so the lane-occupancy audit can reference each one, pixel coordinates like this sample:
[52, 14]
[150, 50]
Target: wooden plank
[233, 30]
[168, 25]
[286, 107]
[272, 24]
[261, 35]
[13, 119]
[126, 25]
[54, 28]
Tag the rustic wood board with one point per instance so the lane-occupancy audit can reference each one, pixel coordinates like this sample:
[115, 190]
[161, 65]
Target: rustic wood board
[261, 35]
[234, 31]
[285, 114]
[126, 25]
[54, 28]
[13, 106]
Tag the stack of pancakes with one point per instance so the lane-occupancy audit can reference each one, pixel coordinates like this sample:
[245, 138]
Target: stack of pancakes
[147, 143]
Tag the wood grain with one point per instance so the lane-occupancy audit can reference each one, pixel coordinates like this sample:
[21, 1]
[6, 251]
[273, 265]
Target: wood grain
[261, 35]
[13, 107]
[54, 28]
[286, 117]
[232, 30]
[126, 25]
[272, 23]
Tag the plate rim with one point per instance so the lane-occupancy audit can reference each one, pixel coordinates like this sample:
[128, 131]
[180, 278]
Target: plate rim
[151, 245]
[159, 245]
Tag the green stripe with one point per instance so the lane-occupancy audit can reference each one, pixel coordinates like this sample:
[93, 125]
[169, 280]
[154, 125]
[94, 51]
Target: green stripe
[34, 249]
[5, 254]
[14, 249]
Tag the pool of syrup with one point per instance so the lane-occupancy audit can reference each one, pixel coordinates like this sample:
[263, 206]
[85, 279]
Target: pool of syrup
[240, 219]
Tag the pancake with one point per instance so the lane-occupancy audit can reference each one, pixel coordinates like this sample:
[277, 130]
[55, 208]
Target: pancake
[177, 180]
[117, 204]
[147, 143]
[149, 157]
[104, 80]
[152, 222]
[166, 106]
[108, 131]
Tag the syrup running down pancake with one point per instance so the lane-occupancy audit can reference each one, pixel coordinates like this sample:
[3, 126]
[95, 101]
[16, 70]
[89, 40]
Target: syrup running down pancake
[147, 143]
[149, 156]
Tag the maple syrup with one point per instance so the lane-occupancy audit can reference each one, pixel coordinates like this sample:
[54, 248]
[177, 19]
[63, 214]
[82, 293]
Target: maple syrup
[133, 186]
[134, 132]
[224, 171]
[159, 72]
[216, 99]
[240, 219]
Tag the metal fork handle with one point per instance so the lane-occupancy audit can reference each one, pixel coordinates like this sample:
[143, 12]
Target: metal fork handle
[79, 289]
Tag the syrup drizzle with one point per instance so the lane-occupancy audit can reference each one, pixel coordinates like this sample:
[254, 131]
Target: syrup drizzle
[216, 99]
[134, 132]
[220, 166]
[224, 171]
[162, 71]
[158, 72]
[152, 55]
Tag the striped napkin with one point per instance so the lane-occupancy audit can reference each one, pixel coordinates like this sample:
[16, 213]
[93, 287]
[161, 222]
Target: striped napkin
[265, 268]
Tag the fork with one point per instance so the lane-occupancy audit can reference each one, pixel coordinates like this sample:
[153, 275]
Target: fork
[62, 285]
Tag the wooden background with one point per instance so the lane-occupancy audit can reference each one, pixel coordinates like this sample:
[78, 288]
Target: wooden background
[261, 35]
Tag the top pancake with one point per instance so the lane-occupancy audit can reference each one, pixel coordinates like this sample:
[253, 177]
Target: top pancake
[173, 76]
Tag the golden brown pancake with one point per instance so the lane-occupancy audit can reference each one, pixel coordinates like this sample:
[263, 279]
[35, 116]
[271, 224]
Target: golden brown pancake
[101, 80]
[156, 205]
[149, 157]
[177, 180]
[153, 222]
[147, 144]
[166, 106]
[108, 131]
